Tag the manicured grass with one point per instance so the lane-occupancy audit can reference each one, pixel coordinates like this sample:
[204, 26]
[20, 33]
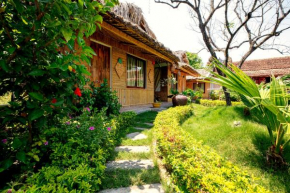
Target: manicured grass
[146, 117]
[126, 178]
[140, 142]
[245, 145]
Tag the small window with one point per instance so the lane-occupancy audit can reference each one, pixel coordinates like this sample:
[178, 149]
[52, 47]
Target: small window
[135, 72]
[199, 86]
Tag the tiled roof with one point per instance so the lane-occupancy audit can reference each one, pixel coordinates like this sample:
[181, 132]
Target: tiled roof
[267, 67]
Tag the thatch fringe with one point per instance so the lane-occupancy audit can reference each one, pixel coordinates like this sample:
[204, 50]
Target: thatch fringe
[134, 14]
[182, 56]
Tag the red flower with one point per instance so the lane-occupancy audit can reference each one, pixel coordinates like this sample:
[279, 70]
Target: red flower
[73, 70]
[53, 101]
[78, 92]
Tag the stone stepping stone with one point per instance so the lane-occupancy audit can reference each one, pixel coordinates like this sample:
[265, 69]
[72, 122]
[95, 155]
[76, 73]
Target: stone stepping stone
[136, 136]
[148, 188]
[141, 128]
[130, 164]
[134, 149]
[150, 124]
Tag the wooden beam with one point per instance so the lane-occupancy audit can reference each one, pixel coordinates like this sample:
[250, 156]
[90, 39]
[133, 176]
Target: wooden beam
[128, 38]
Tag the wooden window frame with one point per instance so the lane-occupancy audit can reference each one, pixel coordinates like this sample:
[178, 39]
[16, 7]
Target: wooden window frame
[199, 83]
[144, 73]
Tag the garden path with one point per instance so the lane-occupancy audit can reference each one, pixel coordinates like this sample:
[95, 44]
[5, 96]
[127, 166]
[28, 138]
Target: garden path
[133, 168]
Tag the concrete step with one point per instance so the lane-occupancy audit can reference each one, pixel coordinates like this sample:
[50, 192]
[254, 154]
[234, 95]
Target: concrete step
[148, 188]
[133, 149]
[141, 128]
[130, 164]
[136, 136]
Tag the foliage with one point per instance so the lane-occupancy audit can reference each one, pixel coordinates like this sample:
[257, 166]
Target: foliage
[194, 60]
[213, 103]
[241, 140]
[194, 167]
[174, 91]
[100, 97]
[5, 99]
[74, 154]
[214, 94]
[233, 95]
[41, 43]
[270, 106]
[286, 79]
[193, 94]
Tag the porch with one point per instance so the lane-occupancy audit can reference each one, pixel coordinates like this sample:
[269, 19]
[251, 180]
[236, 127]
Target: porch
[147, 107]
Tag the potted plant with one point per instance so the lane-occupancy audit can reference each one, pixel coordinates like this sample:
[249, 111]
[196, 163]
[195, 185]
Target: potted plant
[178, 99]
[157, 102]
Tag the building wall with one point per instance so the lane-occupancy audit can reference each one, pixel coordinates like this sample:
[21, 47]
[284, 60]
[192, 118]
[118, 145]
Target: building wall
[127, 96]
[205, 95]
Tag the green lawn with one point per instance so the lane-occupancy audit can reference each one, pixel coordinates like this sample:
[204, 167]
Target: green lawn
[245, 145]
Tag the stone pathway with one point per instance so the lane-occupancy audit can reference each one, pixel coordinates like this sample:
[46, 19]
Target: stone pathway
[149, 188]
[136, 136]
[130, 164]
[134, 164]
[135, 149]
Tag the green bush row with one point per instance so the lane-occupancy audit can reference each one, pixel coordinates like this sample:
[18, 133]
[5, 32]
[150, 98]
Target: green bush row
[213, 103]
[73, 155]
[194, 167]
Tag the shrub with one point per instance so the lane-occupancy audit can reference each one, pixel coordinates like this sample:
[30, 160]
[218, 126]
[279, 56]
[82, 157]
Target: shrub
[101, 97]
[73, 155]
[213, 103]
[194, 167]
[214, 94]
[233, 95]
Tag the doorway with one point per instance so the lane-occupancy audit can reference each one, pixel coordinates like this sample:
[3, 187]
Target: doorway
[100, 66]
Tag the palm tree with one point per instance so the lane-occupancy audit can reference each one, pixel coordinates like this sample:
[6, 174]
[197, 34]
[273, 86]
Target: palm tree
[270, 105]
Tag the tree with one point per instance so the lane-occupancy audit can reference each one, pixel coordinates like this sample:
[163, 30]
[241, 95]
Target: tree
[270, 106]
[228, 25]
[194, 60]
[42, 45]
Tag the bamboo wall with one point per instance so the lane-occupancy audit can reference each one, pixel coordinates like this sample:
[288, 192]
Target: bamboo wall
[127, 96]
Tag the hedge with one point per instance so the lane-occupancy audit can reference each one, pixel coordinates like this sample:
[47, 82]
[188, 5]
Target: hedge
[192, 166]
[213, 103]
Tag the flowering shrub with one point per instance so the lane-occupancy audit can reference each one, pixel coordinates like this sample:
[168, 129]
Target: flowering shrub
[194, 167]
[73, 154]
[213, 103]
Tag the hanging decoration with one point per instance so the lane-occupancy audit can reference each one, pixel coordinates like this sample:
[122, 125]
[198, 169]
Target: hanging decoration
[153, 62]
[149, 76]
[120, 69]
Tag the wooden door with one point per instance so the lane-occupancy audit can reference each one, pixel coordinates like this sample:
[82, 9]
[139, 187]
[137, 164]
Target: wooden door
[100, 67]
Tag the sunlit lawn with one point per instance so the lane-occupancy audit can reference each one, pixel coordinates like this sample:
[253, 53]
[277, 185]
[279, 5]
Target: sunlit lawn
[245, 145]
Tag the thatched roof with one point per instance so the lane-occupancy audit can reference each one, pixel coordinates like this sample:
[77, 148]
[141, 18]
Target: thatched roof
[182, 56]
[128, 18]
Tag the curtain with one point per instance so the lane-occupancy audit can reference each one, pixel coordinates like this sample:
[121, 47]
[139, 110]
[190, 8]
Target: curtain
[140, 73]
[131, 71]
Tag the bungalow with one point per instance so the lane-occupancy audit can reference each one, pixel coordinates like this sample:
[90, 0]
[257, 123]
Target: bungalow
[129, 57]
[261, 70]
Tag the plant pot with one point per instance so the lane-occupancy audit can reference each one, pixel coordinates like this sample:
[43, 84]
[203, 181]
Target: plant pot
[156, 105]
[179, 100]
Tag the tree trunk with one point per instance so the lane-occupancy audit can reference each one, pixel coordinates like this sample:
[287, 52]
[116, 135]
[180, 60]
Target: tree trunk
[227, 96]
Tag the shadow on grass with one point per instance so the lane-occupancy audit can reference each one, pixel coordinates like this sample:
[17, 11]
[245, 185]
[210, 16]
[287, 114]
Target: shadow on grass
[262, 143]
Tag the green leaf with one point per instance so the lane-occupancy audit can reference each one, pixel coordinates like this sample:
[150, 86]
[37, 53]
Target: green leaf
[81, 4]
[36, 72]
[30, 105]
[4, 66]
[16, 143]
[35, 114]
[41, 122]
[59, 102]
[19, 6]
[36, 157]
[36, 96]
[6, 164]
[98, 18]
[67, 33]
[21, 156]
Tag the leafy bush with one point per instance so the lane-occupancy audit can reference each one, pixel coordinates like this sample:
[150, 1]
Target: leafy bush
[213, 103]
[214, 94]
[73, 155]
[233, 95]
[101, 97]
[192, 94]
[194, 167]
